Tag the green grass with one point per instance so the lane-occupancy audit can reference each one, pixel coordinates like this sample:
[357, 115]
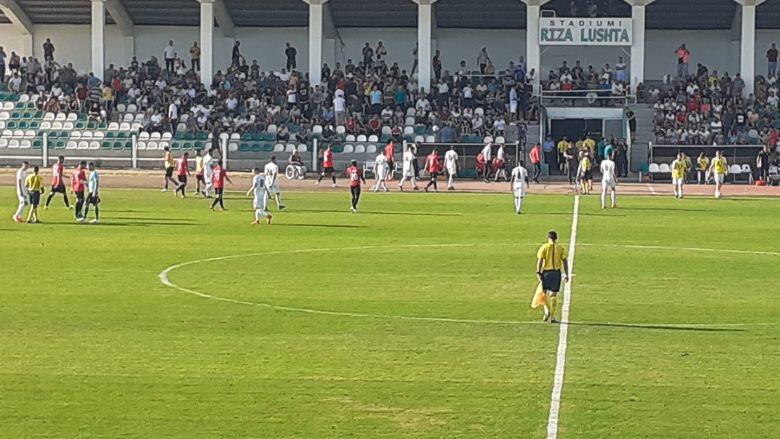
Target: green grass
[669, 342]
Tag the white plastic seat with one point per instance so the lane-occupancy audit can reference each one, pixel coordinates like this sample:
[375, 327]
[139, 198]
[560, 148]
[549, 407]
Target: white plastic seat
[181, 127]
[166, 136]
[408, 131]
[132, 108]
[360, 149]
[113, 126]
[290, 147]
[155, 136]
[61, 117]
[124, 126]
[349, 149]
[25, 144]
[271, 128]
[409, 121]
[29, 134]
[129, 117]
[8, 133]
[235, 136]
[83, 145]
[279, 147]
[163, 144]
[94, 144]
[86, 135]
[410, 111]
[479, 111]
[341, 130]
[56, 125]
[5, 115]
[500, 140]
[72, 117]
[13, 143]
[386, 130]
[75, 135]
[419, 139]
[373, 138]
[49, 116]
[143, 136]
[18, 134]
[362, 138]
[152, 146]
[72, 144]
[184, 117]
[735, 169]
[746, 169]
[303, 148]
[8, 106]
[371, 149]
[430, 139]
[223, 137]
[46, 125]
[350, 138]
[135, 126]
[68, 126]
[653, 168]
[488, 139]
[664, 167]
[141, 145]
[3, 143]
[317, 129]
[24, 98]
[121, 108]
[99, 135]
[233, 146]
[2, 124]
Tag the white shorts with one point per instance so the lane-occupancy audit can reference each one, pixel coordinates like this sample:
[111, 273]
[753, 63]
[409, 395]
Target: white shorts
[452, 170]
[258, 204]
[519, 192]
[274, 188]
[719, 178]
[612, 184]
[22, 199]
[513, 107]
[678, 181]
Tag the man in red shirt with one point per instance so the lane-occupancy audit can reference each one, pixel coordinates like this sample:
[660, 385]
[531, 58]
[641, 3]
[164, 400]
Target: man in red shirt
[433, 168]
[218, 177]
[182, 172]
[536, 159]
[390, 156]
[58, 183]
[327, 166]
[77, 181]
[355, 176]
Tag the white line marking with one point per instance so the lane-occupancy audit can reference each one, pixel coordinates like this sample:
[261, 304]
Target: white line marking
[652, 189]
[167, 282]
[560, 359]
[689, 249]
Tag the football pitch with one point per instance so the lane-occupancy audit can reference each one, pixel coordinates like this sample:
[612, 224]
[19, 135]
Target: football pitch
[408, 320]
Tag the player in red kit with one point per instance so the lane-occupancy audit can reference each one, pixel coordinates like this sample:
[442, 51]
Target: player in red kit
[77, 182]
[390, 156]
[355, 176]
[182, 172]
[433, 168]
[327, 166]
[218, 177]
[58, 182]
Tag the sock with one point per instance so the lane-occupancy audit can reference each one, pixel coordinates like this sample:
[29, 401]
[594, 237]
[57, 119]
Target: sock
[334, 179]
[214, 203]
[614, 198]
[86, 210]
[320, 178]
[519, 204]
[20, 210]
[603, 199]
[67, 202]
[48, 199]
[278, 199]
[552, 300]
[221, 203]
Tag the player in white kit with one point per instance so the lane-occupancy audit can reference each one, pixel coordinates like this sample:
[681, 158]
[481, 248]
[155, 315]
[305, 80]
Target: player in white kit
[519, 184]
[208, 170]
[608, 180]
[272, 183]
[21, 191]
[260, 200]
[408, 169]
[451, 165]
[381, 169]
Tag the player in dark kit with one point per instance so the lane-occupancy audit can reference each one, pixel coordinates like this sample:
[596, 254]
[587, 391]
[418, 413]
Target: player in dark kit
[218, 177]
[182, 172]
[58, 183]
[77, 182]
[355, 176]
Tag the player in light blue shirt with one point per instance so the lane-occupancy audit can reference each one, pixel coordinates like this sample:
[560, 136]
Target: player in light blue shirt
[93, 184]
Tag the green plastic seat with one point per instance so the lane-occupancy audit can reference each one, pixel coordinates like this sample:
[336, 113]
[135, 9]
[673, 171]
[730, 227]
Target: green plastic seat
[189, 136]
[106, 145]
[34, 125]
[179, 135]
[11, 125]
[83, 117]
[60, 145]
[268, 147]
[37, 144]
[245, 147]
[202, 135]
[80, 125]
[122, 135]
[92, 126]
[337, 148]
[247, 137]
[186, 146]
[110, 135]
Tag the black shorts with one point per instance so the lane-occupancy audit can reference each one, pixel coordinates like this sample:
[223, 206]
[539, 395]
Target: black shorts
[59, 189]
[80, 196]
[355, 191]
[93, 199]
[35, 198]
[327, 170]
[551, 280]
[169, 172]
[218, 192]
[200, 178]
[587, 175]
[182, 178]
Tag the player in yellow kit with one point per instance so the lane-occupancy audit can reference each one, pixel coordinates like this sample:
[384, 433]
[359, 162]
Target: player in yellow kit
[550, 260]
[34, 184]
[718, 169]
[678, 175]
[199, 171]
[702, 165]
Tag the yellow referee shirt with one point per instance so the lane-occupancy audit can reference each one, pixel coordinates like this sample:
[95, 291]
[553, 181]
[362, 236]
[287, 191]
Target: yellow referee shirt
[34, 183]
[562, 145]
[553, 255]
[719, 165]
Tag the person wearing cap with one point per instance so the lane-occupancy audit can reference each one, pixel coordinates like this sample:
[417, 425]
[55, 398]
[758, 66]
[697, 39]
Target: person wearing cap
[550, 260]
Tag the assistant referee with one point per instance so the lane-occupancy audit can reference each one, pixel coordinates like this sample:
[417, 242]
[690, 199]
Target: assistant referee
[551, 258]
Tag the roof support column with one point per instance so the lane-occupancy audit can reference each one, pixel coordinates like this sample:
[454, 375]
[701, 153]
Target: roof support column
[98, 37]
[20, 20]
[747, 44]
[638, 14]
[316, 35]
[533, 52]
[424, 44]
[206, 42]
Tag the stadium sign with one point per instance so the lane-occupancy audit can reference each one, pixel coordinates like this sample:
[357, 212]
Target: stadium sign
[585, 31]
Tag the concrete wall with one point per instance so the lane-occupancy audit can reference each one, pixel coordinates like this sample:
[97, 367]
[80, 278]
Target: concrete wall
[714, 48]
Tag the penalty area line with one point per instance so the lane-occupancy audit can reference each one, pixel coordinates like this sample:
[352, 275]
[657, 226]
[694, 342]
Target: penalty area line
[560, 358]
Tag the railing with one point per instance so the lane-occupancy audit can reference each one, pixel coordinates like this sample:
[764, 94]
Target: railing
[735, 154]
[585, 98]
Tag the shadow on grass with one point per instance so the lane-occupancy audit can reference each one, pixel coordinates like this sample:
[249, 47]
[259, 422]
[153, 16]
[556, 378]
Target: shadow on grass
[377, 212]
[654, 327]
[325, 226]
[112, 223]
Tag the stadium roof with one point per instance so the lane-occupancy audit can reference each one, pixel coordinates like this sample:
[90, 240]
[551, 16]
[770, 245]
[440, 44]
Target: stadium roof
[482, 14]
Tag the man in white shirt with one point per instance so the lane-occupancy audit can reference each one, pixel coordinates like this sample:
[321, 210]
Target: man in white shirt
[380, 171]
[340, 109]
[207, 171]
[498, 163]
[261, 197]
[451, 165]
[173, 115]
[272, 183]
[408, 169]
[609, 180]
[21, 191]
[518, 183]
[170, 56]
[487, 154]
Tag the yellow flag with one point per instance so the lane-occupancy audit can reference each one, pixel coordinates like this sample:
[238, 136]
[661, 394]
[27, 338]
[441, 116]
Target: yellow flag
[538, 299]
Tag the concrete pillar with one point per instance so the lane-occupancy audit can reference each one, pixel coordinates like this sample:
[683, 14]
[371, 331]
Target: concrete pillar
[638, 47]
[98, 37]
[424, 43]
[533, 52]
[206, 42]
[747, 44]
[316, 15]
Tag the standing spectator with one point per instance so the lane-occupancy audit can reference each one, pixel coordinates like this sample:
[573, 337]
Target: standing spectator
[195, 57]
[631, 117]
[170, 56]
[683, 58]
[14, 62]
[236, 55]
[482, 60]
[436, 64]
[550, 153]
[536, 159]
[620, 70]
[381, 53]
[368, 56]
[2, 64]
[414, 54]
[762, 164]
[290, 52]
[771, 57]
[173, 115]
[48, 50]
